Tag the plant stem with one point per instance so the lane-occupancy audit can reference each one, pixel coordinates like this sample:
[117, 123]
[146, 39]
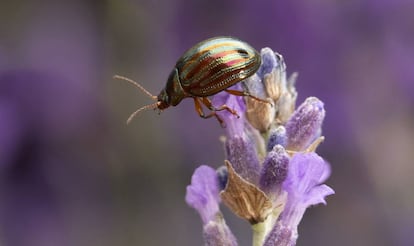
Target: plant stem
[259, 232]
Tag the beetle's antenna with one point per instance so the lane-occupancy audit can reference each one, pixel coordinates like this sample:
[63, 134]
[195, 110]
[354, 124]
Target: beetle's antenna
[136, 84]
[150, 106]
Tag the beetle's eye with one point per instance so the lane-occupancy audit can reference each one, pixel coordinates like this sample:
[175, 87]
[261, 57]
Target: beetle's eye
[163, 97]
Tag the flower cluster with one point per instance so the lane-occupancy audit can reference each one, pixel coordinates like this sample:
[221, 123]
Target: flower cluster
[272, 173]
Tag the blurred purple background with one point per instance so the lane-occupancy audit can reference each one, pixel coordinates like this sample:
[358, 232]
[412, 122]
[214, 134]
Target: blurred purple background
[72, 172]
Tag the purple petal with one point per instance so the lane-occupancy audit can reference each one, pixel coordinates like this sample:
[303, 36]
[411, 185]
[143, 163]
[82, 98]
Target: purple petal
[326, 173]
[234, 124]
[304, 125]
[306, 170]
[303, 184]
[203, 193]
[317, 195]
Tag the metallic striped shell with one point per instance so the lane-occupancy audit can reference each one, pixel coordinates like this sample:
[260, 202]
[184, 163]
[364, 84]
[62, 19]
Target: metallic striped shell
[216, 64]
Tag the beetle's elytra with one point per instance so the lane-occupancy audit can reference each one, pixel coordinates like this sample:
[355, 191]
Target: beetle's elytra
[207, 68]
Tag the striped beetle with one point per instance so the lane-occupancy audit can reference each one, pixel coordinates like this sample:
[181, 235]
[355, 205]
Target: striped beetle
[207, 68]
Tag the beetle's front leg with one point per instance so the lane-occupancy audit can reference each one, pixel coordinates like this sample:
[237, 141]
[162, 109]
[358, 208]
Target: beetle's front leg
[245, 93]
[201, 113]
[210, 106]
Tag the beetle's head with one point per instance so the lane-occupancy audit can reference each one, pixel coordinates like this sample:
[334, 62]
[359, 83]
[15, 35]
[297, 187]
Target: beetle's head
[163, 100]
[173, 93]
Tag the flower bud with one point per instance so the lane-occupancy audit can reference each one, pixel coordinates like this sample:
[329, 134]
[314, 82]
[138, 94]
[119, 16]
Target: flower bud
[277, 136]
[222, 175]
[274, 171]
[304, 125]
[286, 102]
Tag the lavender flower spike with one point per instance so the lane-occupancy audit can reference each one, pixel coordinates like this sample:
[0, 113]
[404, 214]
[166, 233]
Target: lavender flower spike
[272, 173]
[304, 126]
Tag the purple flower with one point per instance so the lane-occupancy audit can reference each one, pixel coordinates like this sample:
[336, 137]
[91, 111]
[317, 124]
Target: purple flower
[203, 193]
[234, 124]
[265, 181]
[304, 183]
[304, 187]
[240, 149]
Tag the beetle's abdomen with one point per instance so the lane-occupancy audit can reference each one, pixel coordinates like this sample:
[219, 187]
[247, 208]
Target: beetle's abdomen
[216, 64]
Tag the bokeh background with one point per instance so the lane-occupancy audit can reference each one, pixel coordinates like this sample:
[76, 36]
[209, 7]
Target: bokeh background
[72, 172]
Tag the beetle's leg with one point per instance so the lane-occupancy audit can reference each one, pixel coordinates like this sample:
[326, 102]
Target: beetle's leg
[245, 93]
[210, 106]
[200, 112]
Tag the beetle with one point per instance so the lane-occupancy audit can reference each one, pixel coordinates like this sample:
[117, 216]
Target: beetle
[209, 67]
